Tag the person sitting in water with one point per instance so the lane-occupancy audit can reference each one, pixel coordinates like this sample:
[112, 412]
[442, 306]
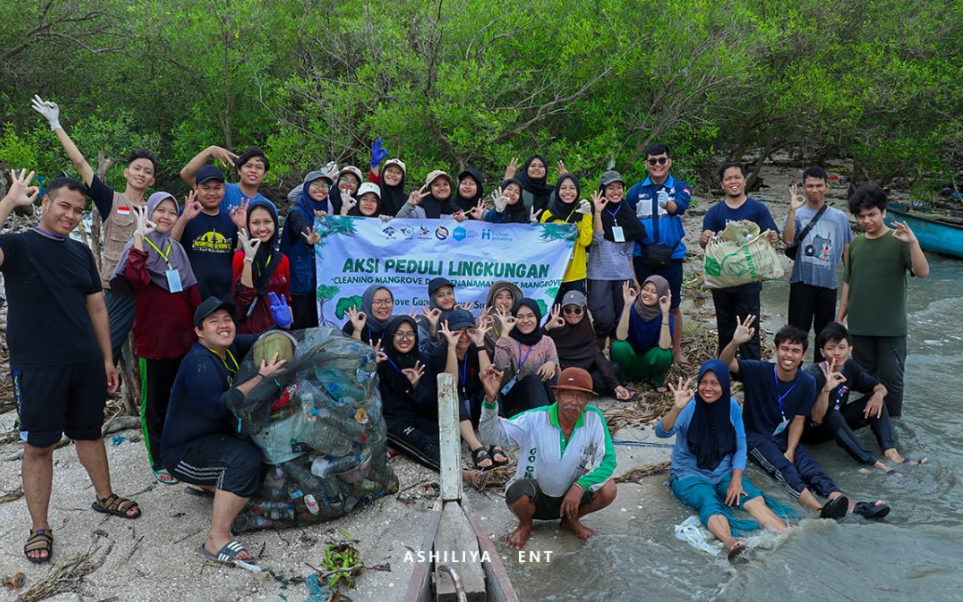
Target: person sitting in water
[835, 417]
[643, 346]
[567, 471]
[777, 400]
[367, 323]
[528, 359]
[710, 456]
[570, 328]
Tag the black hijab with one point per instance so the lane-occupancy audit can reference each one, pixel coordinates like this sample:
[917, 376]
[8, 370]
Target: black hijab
[711, 435]
[566, 212]
[621, 214]
[540, 190]
[379, 207]
[435, 208]
[575, 343]
[267, 257]
[515, 214]
[390, 371]
[468, 205]
[537, 334]
[393, 197]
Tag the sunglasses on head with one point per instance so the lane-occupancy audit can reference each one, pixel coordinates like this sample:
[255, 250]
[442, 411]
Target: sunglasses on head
[658, 161]
[572, 310]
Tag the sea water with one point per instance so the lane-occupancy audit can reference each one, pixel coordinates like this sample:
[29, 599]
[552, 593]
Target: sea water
[914, 554]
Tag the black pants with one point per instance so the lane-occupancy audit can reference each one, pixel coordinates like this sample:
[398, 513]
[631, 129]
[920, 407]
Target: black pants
[304, 311]
[528, 393]
[841, 425]
[884, 357]
[157, 380]
[605, 303]
[223, 461]
[416, 437]
[809, 303]
[733, 304]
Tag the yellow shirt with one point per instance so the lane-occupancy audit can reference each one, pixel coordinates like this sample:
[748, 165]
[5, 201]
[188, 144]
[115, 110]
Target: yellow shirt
[576, 269]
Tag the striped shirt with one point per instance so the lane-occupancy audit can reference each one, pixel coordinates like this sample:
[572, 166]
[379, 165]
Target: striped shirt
[609, 260]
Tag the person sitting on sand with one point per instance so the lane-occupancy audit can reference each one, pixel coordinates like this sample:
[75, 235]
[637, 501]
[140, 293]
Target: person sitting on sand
[710, 456]
[566, 472]
[835, 417]
[642, 348]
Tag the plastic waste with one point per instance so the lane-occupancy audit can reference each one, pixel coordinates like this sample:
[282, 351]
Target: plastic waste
[691, 531]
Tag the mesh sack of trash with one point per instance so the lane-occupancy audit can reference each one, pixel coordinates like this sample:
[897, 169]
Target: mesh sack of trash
[320, 429]
[740, 254]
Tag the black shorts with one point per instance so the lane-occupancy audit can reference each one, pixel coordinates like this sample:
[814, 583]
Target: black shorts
[673, 272]
[547, 507]
[222, 461]
[53, 401]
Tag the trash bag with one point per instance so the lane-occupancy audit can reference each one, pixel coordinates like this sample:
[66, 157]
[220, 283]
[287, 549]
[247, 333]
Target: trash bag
[320, 430]
[740, 255]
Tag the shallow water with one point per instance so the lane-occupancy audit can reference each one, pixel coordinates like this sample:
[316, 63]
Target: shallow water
[915, 554]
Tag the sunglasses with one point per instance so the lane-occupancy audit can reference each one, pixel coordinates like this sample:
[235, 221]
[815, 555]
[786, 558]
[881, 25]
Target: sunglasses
[572, 310]
[658, 161]
[321, 184]
[404, 335]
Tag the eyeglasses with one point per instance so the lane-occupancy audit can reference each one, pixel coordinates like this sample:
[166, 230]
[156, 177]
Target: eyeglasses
[321, 184]
[658, 161]
[381, 302]
[572, 310]
[405, 335]
[347, 180]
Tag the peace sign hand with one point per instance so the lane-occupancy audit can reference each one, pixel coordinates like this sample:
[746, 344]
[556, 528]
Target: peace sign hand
[534, 215]
[248, 245]
[744, 332]
[682, 393]
[832, 378]
[561, 168]
[416, 196]
[380, 355]
[21, 193]
[511, 168]
[143, 226]
[797, 200]
[415, 374]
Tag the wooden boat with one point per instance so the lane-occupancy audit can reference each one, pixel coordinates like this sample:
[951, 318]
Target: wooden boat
[457, 562]
[936, 233]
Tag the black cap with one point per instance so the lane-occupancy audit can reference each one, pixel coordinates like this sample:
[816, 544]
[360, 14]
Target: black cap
[209, 306]
[208, 172]
[460, 318]
[437, 283]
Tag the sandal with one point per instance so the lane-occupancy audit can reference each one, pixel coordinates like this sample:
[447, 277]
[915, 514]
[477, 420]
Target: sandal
[164, 477]
[872, 510]
[228, 554]
[495, 450]
[39, 541]
[480, 455]
[735, 550]
[116, 506]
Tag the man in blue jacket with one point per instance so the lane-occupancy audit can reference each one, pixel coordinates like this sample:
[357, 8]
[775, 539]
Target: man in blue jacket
[660, 202]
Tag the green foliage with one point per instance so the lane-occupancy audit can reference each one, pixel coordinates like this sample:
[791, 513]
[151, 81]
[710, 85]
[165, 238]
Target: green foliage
[347, 302]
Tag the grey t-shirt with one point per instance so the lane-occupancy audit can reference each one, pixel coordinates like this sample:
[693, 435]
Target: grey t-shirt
[823, 247]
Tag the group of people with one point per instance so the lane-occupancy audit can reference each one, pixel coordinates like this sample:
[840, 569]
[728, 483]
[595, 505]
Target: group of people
[198, 284]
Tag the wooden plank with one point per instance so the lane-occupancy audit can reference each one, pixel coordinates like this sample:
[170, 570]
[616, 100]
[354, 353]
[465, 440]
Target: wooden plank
[450, 443]
[499, 587]
[457, 547]
[419, 581]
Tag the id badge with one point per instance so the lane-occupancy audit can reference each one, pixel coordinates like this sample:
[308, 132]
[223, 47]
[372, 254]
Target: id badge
[780, 428]
[174, 281]
[505, 390]
[618, 234]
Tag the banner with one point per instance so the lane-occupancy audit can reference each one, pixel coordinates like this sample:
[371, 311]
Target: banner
[405, 254]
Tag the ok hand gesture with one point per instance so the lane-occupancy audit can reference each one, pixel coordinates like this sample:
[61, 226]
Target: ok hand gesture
[555, 320]
[832, 378]
[599, 201]
[248, 244]
[144, 226]
[629, 293]
[506, 322]
[797, 200]
[414, 374]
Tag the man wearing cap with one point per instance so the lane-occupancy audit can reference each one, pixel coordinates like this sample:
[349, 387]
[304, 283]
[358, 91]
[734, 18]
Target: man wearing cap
[252, 166]
[198, 445]
[566, 458]
[209, 233]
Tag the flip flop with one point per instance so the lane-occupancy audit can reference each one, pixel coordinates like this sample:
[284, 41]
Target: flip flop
[228, 554]
[165, 478]
[871, 510]
[836, 508]
[735, 550]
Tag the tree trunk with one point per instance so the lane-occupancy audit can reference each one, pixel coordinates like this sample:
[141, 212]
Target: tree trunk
[765, 153]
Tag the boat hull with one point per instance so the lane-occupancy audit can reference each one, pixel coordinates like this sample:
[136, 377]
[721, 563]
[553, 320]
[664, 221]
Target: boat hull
[934, 234]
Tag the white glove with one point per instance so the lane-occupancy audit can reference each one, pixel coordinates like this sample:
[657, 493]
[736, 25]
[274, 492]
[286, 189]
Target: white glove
[585, 208]
[49, 110]
[143, 226]
[331, 170]
[663, 198]
[248, 245]
[347, 204]
[500, 203]
[534, 215]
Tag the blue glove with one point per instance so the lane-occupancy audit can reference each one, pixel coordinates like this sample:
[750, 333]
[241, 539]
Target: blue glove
[662, 198]
[378, 153]
[280, 311]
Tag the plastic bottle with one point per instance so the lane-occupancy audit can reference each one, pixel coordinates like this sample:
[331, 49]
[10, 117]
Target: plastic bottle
[320, 467]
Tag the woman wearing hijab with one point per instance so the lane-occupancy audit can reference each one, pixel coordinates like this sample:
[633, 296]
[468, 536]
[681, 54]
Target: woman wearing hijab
[509, 208]
[536, 192]
[369, 203]
[298, 244]
[566, 208]
[261, 274]
[155, 269]
[709, 457]
[407, 384]
[442, 300]
[643, 345]
[502, 296]
[469, 191]
[391, 179]
[570, 328]
[615, 232]
[368, 323]
[527, 358]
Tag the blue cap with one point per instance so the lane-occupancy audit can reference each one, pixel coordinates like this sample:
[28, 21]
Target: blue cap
[208, 172]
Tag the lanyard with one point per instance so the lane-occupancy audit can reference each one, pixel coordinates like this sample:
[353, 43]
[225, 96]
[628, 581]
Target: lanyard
[780, 398]
[389, 359]
[524, 358]
[613, 214]
[231, 372]
[48, 234]
[163, 255]
[464, 372]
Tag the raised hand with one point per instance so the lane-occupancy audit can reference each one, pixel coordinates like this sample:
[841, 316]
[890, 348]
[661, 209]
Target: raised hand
[21, 193]
[903, 232]
[832, 378]
[269, 367]
[432, 315]
[357, 318]
[192, 208]
[534, 215]
[512, 168]
[478, 335]
[499, 202]
[585, 208]
[492, 381]
[797, 200]
[280, 312]
[414, 374]
[48, 110]
[347, 204]
[239, 215]
[682, 393]
[248, 245]
[143, 226]
[629, 293]
[311, 236]
[662, 198]
[479, 211]
[224, 156]
[378, 153]
[331, 170]
[555, 319]
[664, 304]
[744, 332]
[547, 371]
[599, 201]
[561, 168]
[451, 339]
[506, 322]
[416, 196]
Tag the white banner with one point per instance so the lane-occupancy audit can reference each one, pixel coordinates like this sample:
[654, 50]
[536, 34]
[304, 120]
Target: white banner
[405, 254]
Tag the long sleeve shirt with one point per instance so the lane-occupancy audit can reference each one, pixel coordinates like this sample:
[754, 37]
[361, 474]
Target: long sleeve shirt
[516, 359]
[683, 462]
[546, 455]
[609, 260]
[254, 311]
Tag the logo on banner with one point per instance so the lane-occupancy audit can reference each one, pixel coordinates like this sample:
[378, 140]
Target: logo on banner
[389, 232]
[459, 234]
[442, 233]
[489, 234]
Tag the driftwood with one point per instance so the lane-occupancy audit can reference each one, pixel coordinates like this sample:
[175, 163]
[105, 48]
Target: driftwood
[118, 423]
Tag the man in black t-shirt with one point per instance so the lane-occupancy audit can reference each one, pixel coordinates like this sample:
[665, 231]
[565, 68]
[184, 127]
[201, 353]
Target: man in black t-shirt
[60, 351]
[777, 401]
